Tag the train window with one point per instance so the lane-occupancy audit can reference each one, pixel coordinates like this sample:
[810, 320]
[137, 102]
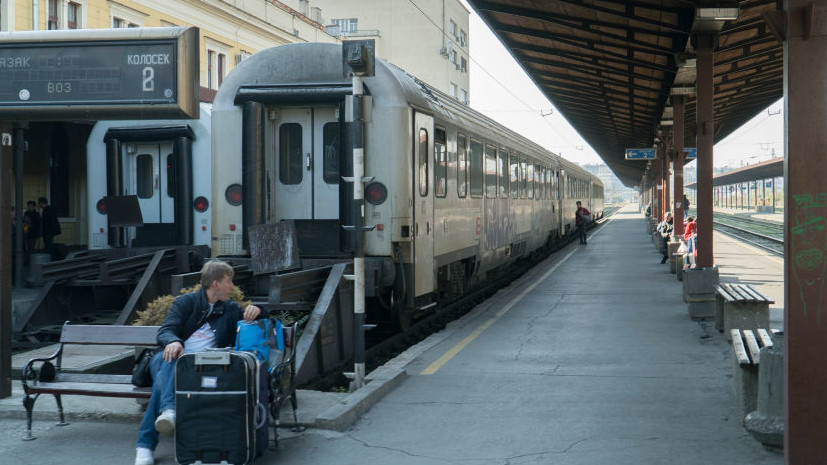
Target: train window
[423, 162]
[171, 175]
[490, 171]
[476, 168]
[144, 176]
[330, 140]
[514, 173]
[523, 180]
[502, 170]
[462, 167]
[530, 176]
[290, 153]
[440, 164]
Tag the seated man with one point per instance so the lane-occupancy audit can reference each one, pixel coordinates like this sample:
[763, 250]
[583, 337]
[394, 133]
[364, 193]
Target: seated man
[196, 321]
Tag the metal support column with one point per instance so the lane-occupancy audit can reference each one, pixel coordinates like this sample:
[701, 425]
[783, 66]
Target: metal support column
[6, 154]
[20, 206]
[358, 251]
[805, 235]
[706, 141]
[677, 144]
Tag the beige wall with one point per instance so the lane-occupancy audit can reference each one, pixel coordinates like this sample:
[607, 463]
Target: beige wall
[409, 37]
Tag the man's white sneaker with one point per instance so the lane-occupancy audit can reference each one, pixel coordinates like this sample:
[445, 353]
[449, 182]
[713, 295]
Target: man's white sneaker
[165, 423]
[143, 456]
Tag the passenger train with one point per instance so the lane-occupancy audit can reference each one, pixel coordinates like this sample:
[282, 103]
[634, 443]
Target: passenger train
[166, 165]
[451, 195]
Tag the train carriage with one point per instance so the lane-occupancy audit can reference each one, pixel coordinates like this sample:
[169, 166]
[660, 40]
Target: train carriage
[452, 194]
[166, 165]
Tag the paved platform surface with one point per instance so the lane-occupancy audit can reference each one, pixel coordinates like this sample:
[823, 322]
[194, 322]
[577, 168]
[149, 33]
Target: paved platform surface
[588, 358]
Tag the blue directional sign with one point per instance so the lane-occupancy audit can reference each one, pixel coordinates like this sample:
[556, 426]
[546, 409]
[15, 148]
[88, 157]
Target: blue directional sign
[690, 153]
[641, 154]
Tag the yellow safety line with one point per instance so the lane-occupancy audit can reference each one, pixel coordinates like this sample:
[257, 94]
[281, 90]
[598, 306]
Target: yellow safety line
[447, 356]
[453, 351]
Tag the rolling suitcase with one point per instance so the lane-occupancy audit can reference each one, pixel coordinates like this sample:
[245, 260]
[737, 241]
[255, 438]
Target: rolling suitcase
[220, 408]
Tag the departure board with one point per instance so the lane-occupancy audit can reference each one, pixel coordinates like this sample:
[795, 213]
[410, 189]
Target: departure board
[88, 74]
[104, 76]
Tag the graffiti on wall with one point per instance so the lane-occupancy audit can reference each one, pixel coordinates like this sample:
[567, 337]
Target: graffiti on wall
[808, 244]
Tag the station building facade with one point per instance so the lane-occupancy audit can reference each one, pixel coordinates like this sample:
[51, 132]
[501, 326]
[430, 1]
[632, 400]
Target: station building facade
[428, 39]
[55, 161]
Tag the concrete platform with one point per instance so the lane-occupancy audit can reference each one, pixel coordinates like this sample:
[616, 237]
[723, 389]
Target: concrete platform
[588, 358]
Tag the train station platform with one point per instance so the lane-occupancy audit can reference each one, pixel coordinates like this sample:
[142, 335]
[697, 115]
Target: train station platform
[590, 357]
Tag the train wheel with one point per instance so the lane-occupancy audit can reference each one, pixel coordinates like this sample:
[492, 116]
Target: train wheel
[402, 318]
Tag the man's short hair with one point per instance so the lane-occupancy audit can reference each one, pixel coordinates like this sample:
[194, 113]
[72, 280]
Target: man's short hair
[578, 203]
[215, 270]
[43, 200]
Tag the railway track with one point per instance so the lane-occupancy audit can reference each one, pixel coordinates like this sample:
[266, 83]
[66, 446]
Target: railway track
[766, 235]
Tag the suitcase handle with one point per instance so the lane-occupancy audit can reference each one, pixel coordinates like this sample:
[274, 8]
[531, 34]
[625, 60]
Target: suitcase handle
[212, 358]
[260, 418]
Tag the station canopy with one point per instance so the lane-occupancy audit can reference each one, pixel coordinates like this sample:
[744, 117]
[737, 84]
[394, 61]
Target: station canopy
[610, 67]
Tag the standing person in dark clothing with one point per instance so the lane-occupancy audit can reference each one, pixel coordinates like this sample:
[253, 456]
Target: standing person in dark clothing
[580, 217]
[31, 225]
[50, 226]
[665, 231]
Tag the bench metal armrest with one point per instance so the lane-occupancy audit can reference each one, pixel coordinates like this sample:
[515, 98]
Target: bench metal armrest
[32, 373]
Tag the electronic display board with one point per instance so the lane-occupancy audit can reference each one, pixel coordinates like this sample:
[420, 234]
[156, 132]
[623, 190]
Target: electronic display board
[99, 74]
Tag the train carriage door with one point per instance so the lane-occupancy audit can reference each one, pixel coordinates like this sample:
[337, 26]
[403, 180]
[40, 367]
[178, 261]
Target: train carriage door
[307, 164]
[326, 146]
[423, 212]
[150, 173]
[294, 180]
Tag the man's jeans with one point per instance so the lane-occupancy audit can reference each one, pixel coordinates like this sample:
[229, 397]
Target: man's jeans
[163, 397]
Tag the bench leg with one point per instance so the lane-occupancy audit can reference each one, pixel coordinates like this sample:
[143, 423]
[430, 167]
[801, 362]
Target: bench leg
[28, 404]
[295, 404]
[62, 421]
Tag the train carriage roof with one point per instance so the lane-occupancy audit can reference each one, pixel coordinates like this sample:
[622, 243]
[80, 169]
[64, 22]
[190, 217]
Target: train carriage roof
[299, 73]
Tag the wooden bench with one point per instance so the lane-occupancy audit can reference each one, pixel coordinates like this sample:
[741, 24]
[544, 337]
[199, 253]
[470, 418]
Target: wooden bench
[746, 345]
[44, 375]
[740, 306]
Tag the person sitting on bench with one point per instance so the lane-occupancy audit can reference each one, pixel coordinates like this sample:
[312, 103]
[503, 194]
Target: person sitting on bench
[197, 321]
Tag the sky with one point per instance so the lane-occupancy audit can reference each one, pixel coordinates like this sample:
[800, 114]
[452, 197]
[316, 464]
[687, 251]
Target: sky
[503, 91]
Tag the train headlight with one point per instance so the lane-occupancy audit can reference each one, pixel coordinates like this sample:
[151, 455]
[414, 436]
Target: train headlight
[201, 204]
[376, 193]
[233, 194]
[101, 206]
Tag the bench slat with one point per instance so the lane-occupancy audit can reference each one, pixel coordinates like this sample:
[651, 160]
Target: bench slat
[752, 344]
[93, 378]
[741, 294]
[725, 292]
[738, 347]
[759, 295]
[109, 335]
[91, 389]
[764, 338]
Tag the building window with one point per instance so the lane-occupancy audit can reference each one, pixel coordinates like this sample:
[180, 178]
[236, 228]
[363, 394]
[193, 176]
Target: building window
[73, 15]
[463, 96]
[222, 66]
[347, 25]
[452, 28]
[452, 55]
[52, 18]
[453, 90]
[210, 67]
[463, 64]
[463, 39]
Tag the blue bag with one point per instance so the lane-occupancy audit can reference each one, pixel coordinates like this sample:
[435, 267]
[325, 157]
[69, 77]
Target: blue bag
[261, 337]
